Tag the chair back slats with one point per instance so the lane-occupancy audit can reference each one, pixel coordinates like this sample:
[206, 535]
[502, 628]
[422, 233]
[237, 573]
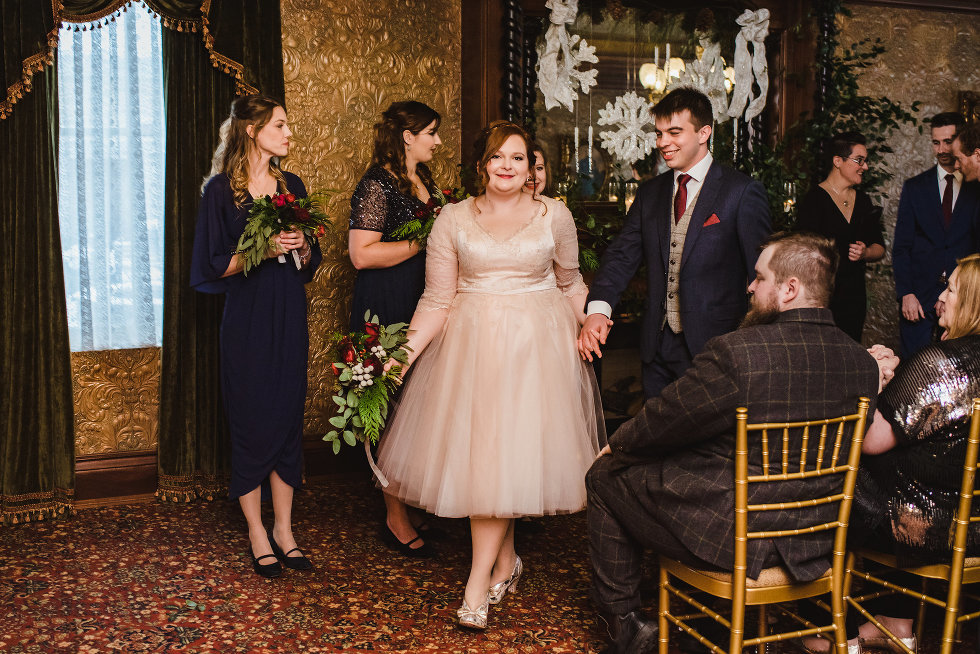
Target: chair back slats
[819, 459]
[962, 521]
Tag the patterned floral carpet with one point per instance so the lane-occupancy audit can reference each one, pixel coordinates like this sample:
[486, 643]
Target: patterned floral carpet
[177, 578]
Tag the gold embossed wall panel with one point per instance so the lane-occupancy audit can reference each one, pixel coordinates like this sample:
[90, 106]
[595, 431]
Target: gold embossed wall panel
[117, 400]
[345, 61]
[930, 56]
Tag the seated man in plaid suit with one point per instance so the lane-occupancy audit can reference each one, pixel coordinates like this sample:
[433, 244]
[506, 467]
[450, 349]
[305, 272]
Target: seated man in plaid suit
[666, 479]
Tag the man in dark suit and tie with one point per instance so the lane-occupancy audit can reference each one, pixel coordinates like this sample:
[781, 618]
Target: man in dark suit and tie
[666, 479]
[936, 225]
[698, 228]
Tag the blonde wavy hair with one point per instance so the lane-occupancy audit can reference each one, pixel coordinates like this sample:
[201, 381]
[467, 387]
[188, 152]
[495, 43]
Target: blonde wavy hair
[966, 317]
[234, 144]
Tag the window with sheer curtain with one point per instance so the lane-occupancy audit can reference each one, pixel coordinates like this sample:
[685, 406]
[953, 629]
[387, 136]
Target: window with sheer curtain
[111, 177]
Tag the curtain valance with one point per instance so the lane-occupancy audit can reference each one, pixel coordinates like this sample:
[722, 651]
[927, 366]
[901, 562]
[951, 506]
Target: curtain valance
[232, 32]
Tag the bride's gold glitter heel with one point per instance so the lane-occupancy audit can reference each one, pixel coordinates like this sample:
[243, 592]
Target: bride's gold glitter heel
[473, 618]
[498, 590]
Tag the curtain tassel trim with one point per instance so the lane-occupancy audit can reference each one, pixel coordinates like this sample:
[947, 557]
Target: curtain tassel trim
[187, 488]
[20, 509]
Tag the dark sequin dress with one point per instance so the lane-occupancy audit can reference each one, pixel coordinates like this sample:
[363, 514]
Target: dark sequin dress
[912, 491]
[390, 293]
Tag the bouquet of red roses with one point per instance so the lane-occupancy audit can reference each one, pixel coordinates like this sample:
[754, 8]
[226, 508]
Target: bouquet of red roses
[419, 227]
[271, 215]
[364, 388]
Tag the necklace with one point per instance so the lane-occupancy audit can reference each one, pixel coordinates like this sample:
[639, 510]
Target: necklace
[837, 193]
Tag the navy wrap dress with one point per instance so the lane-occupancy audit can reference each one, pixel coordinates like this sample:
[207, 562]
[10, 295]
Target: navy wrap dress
[264, 341]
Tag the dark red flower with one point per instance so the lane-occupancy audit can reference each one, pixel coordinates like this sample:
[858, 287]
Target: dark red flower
[421, 213]
[345, 349]
[447, 192]
[279, 201]
[376, 362]
[320, 231]
[336, 370]
[301, 213]
[431, 203]
[290, 198]
[371, 329]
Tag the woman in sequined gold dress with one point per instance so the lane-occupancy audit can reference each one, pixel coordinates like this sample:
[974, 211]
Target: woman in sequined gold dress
[499, 417]
[907, 502]
[391, 272]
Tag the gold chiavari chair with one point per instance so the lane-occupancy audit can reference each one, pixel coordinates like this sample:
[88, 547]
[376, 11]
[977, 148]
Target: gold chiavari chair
[809, 450]
[959, 571]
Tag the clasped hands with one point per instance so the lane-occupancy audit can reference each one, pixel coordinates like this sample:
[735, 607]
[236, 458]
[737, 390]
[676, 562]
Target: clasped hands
[887, 362]
[593, 334]
[286, 240]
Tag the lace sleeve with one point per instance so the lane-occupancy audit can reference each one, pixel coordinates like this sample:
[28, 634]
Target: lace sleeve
[368, 207]
[563, 230]
[441, 264]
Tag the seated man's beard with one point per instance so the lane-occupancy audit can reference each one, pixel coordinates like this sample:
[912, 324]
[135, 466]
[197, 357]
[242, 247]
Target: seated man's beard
[759, 314]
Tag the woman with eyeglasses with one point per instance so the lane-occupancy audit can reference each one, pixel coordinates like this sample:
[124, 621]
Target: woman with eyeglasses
[835, 208]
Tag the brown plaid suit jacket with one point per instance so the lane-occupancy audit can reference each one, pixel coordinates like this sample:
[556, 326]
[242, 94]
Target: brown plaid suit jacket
[678, 452]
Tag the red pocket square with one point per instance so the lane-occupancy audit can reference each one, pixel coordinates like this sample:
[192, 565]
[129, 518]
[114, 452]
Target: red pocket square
[713, 220]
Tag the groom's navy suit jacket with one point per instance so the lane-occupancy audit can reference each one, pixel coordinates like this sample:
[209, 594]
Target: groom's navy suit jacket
[924, 249]
[729, 222]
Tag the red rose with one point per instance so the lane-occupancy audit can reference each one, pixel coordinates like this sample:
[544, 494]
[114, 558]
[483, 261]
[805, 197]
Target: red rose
[320, 231]
[336, 371]
[346, 351]
[446, 192]
[301, 213]
[371, 329]
[420, 213]
[279, 201]
[290, 198]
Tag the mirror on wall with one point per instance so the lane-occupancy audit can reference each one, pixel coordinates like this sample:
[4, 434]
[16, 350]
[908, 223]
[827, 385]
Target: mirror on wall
[639, 50]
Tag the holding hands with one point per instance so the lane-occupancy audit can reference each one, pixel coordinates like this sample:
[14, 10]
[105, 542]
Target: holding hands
[593, 334]
[887, 362]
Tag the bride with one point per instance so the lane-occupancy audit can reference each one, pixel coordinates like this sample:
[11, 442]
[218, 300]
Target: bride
[499, 417]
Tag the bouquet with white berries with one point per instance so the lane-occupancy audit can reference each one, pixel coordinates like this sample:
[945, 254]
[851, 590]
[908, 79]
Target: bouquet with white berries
[364, 388]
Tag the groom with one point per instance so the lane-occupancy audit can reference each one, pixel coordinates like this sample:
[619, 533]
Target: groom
[698, 228]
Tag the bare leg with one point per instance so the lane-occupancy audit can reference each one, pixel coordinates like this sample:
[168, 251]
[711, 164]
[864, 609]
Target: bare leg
[488, 535]
[251, 503]
[399, 522]
[282, 504]
[901, 627]
[503, 567]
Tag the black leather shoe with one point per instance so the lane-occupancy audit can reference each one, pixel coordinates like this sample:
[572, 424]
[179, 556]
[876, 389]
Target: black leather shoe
[632, 634]
[292, 562]
[267, 570]
[406, 549]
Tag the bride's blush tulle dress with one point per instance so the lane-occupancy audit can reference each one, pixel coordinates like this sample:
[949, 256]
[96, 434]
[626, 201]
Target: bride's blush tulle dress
[499, 416]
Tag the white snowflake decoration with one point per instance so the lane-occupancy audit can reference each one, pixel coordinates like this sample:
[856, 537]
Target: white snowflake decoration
[707, 74]
[631, 115]
[558, 58]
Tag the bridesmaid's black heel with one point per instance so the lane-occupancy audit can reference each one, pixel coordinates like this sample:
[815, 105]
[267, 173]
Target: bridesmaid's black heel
[267, 570]
[292, 562]
[405, 549]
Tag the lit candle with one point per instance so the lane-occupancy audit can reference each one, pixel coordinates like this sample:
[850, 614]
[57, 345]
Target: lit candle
[667, 64]
[656, 55]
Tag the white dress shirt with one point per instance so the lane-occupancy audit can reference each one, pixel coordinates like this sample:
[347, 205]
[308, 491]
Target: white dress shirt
[957, 182]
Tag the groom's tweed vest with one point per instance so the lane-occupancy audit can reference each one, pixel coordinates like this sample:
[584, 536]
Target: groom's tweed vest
[678, 233]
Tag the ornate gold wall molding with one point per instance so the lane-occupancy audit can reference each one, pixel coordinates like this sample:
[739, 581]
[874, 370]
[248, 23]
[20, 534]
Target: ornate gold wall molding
[345, 61]
[930, 57]
[117, 400]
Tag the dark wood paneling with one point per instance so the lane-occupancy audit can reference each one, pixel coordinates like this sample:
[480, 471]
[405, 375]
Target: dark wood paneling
[108, 476]
[963, 6]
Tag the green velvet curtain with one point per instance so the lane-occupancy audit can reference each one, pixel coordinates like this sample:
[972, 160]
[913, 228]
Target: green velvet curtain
[193, 452]
[37, 448]
[238, 48]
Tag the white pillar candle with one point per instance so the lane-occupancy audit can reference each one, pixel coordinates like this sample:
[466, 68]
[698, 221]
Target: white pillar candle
[589, 148]
[575, 163]
[656, 55]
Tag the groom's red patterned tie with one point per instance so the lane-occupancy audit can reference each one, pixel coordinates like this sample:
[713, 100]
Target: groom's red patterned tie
[680, 198]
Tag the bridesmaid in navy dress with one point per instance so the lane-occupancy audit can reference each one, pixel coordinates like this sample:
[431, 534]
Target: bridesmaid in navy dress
[264, 337]
[391, 272]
